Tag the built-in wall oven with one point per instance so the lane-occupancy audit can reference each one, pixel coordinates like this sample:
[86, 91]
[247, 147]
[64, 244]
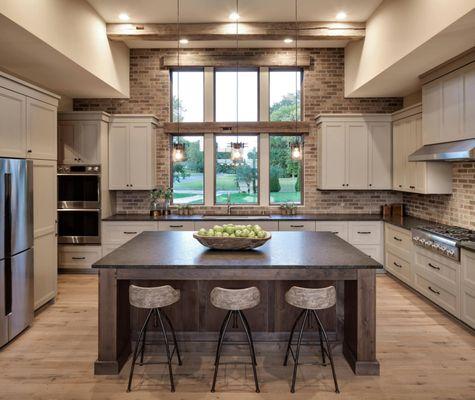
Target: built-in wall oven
[79, 204]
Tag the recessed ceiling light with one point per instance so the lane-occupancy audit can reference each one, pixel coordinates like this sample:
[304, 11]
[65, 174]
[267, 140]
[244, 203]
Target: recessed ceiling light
[184, 41]
[234, 16]
[124, 16]
[288, 40]
[341, 16]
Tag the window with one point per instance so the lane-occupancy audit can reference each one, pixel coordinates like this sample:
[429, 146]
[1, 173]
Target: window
[188, 182]
[285, 175]
[238, 180]
[226, 83]
[187, 95]
[284, 95]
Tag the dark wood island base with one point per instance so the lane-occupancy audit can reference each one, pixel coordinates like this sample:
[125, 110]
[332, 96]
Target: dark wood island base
[311, 259]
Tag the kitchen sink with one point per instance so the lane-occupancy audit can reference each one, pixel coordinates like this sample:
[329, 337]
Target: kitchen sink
[235, 217]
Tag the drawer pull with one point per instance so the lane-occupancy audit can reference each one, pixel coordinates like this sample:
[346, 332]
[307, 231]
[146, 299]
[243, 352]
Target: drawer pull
[396, 238]
[433, 266]
[130, 233]
[433, 290]
[78, 258]
[412, 187]
[397, 265]
[364, 233]
[176, 226]
[296, 226]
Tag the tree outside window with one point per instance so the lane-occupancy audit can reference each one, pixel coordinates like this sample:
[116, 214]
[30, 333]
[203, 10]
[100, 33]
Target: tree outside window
[284, 95]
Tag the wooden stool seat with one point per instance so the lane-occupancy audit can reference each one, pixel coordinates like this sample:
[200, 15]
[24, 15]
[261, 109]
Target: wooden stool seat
[235, 299]
[311, 299]
[153, 297]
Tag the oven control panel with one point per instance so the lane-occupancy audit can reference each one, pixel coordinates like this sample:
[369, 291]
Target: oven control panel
[79, 169]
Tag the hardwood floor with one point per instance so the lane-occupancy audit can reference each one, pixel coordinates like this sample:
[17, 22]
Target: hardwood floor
[423, 355]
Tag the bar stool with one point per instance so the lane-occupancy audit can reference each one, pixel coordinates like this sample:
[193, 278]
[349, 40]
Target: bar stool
[235, 301]
[310, 300]
[154, 299]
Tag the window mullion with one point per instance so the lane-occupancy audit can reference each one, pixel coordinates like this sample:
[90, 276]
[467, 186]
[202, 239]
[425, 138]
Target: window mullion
[264, 94]
[209, 168]
[264, 152]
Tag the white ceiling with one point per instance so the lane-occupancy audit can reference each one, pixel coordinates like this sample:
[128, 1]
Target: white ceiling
[165, 11]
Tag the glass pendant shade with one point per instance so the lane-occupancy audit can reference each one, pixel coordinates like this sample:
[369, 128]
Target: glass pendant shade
[179, 152]
[237, 152]
[296, 151]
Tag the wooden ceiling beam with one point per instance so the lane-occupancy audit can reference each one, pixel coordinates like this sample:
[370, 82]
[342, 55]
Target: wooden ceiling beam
[231, 127]
[247, 31]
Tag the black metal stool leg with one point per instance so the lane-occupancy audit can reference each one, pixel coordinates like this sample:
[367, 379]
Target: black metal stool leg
[320, 334]
[173, 335]
[222, 334]
[169, 358]
[291, 337]
[137, 346]
[297, 352]
[247, 329]
[142, 351]
[337, 390]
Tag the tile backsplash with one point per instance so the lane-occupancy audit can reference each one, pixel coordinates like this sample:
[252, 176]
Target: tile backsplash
[323, 92]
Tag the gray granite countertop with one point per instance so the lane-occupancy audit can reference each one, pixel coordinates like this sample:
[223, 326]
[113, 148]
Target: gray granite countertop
[283, 250]
[273, 217]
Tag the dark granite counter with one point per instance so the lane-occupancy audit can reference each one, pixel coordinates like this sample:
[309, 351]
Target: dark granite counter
[408, 222]
[273, 217]
[151, 250]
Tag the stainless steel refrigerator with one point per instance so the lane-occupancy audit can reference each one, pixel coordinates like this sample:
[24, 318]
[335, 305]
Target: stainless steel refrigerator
[16, 247]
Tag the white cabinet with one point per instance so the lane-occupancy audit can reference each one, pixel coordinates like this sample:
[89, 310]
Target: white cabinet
[399, 251]
[79, 142]
[41, 127]
[339, 228]
[416, 177]
[467, 290]
[266, 225]
[297, 226]
[132, 152]
[354, 152]
[447, 106]
[73, 257]
[12, 124]
[45, 241]
[120, 232]
[176, 226]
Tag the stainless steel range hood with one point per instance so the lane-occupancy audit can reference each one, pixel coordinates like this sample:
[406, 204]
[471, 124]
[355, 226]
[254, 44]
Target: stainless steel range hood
[461, 150]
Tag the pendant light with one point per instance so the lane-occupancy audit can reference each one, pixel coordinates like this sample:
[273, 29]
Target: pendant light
[296, 147]
[237, 147]
[179, 149]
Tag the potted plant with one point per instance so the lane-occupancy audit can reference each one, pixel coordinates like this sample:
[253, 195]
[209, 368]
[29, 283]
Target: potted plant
[160, 201]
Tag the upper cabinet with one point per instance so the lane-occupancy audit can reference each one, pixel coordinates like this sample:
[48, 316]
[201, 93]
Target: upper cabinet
[132, 152]
[82, 137]
[354, 152]
[416, 177]
[448, 105]
[27, 120]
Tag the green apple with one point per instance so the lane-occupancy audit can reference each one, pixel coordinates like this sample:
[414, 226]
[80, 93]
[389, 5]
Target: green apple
[238, 232]
[252, 234]
[256, 228]
[210, 232]
[261, 234]
[230, 229]
[202, 232]
[218, 234]
[232, 235]
[245, 232]
[249, 227]
[225, 234]
[218, 228]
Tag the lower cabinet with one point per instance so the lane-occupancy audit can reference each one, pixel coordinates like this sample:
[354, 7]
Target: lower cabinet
[467, 289]
[399, 253]
[45, 261]
[297, 226]
[266, 225]
[78, 257]
[176, 226]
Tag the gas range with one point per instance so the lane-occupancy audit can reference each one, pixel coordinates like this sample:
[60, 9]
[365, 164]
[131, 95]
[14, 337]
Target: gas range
[442, 239]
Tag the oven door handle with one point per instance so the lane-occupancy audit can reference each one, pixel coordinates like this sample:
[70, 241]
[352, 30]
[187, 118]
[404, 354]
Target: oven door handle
[79, 209]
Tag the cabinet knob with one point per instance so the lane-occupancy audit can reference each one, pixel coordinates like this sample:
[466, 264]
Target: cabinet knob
[412, 187]
[29, 151]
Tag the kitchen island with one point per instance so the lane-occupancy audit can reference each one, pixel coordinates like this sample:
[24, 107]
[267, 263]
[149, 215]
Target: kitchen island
[311, 259]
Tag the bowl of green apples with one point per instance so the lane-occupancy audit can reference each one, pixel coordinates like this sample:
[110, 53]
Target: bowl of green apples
[232, 237]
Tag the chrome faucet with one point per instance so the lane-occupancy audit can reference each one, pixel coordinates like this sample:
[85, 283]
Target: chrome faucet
[228, 203]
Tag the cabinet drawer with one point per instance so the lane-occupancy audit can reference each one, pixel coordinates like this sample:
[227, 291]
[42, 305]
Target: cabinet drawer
[339, 228]
[109, 248]
[78, 256]
[364, 232]
[468, 268]
[297, 226]
[437, 294]
[437, 269]
[176, 226]
[372, 250]
[266, 225]
[398, 238]
[399, 267]
[122, 232]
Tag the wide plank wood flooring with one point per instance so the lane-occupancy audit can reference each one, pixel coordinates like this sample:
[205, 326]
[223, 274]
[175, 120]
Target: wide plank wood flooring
[423, 353]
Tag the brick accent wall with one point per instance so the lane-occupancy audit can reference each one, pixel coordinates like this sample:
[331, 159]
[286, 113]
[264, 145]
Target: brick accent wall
[323, 92]
[455, 209]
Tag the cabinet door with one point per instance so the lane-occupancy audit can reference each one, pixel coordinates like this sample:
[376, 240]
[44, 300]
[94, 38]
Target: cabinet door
[431, 112]
[380, 165]
[357, 155]
[418, 168]
[45, 241]
[452, 89]
[140, 164]
[66, 149]
[87, 142]
[12, 124]
[119, 157]
[469, 103]
[398, 148]
[334, 156]
[41, 129]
